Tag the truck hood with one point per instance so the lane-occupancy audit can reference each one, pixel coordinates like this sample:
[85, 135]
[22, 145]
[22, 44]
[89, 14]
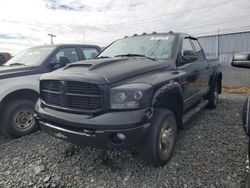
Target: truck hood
[109, 70]
[16, 71]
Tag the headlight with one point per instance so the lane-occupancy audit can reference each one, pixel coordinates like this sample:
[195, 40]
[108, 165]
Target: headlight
[131, 96]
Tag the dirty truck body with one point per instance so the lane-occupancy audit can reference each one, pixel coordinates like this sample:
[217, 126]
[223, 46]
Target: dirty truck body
[137, 93]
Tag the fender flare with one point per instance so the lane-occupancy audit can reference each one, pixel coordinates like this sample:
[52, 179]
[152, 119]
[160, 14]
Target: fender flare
[170, 89]
[172, 86]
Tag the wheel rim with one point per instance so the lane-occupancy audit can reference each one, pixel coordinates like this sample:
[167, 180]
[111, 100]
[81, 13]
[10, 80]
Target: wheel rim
[166, 139]
[24, 119]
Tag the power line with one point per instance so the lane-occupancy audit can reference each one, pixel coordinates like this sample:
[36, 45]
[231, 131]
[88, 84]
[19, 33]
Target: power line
[225, 31]
[159, 27]
[159, 18]
[208, 24]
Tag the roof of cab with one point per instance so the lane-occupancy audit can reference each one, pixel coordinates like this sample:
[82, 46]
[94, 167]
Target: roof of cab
[66, 45]
[162, 33]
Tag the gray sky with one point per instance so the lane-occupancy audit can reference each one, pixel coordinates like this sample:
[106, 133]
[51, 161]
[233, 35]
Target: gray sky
[26, 23]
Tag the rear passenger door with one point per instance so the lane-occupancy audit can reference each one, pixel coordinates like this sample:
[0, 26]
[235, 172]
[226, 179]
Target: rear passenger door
[203, 67]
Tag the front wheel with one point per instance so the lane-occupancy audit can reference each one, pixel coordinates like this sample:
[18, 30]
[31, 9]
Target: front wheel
[161, 139]
[17, 118]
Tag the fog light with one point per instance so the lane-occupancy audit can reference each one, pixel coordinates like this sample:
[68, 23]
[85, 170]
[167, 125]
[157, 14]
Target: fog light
[117, 138]
[121, 136]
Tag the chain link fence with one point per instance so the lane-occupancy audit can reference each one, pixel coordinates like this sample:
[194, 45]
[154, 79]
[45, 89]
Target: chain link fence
[224, 46]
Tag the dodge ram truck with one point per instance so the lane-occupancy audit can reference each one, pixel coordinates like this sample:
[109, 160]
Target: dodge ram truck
[136, 93]
[19, 80]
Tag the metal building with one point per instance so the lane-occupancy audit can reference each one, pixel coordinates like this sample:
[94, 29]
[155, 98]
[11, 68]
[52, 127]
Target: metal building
[224, 46]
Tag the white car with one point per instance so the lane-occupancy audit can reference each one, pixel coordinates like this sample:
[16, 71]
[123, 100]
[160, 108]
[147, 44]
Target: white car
[19, 82]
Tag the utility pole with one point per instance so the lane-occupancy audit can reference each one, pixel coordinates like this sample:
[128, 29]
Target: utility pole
[51, 37]
[218, 43]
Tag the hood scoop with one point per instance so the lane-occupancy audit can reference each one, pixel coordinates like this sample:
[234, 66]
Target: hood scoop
[94, 64]
[105, 63]
[81, 65]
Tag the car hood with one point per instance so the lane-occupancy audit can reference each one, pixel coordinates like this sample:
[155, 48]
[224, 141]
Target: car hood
[16, 71]
[109, 70]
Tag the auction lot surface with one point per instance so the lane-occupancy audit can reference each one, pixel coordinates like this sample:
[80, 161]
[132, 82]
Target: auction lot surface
[211, 152]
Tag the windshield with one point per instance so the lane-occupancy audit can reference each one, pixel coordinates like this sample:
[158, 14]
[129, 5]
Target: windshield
[31, 56]
[152, 46]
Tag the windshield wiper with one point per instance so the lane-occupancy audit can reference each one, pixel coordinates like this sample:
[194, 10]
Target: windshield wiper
[138, 55]
[17, 64]
[102, 57]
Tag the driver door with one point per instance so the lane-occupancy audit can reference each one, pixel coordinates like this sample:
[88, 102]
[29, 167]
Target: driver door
[192, 80]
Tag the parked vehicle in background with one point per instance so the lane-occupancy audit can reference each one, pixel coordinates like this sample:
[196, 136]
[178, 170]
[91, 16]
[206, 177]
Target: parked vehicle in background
[19, 80]
[4, 57]
[136, 93]
[242, 60]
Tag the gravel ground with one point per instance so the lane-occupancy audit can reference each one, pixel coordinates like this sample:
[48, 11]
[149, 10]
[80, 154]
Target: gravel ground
[210, 152]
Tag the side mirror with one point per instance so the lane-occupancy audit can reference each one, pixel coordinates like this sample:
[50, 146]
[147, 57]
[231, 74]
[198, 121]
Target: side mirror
[188, 57]
[241, 60]
[246, 117]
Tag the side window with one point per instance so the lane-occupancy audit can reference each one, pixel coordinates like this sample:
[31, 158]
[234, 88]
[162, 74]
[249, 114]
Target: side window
[186, 45]
[198, 50]
[70, 54]
[2, 59]
[89, 53]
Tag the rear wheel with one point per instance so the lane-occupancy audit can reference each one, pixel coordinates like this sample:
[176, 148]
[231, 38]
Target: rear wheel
[213, 96]
[17, 118]
[162, 138]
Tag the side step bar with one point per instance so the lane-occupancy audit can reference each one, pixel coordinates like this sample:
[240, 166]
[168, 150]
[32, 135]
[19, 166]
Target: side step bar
[186, 117]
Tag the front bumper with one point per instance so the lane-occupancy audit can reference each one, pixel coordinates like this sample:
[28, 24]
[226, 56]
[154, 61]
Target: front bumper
[111, 130]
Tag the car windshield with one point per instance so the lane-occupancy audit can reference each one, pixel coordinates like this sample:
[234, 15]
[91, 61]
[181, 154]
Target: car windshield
[151, 46]
[30, 57]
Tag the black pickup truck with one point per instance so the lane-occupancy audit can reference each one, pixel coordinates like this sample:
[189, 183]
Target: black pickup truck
[137, 93]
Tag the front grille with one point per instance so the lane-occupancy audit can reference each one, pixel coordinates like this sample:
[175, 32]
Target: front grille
[87, 88]
[71, 95]
[51, 85]
[51, 98]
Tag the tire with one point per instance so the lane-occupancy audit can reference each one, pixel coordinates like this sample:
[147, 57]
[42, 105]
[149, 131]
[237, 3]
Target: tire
[17, 118]
[163, 125]
[213, 96]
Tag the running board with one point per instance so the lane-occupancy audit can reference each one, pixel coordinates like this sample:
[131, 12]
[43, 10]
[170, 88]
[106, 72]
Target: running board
[191, 113]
